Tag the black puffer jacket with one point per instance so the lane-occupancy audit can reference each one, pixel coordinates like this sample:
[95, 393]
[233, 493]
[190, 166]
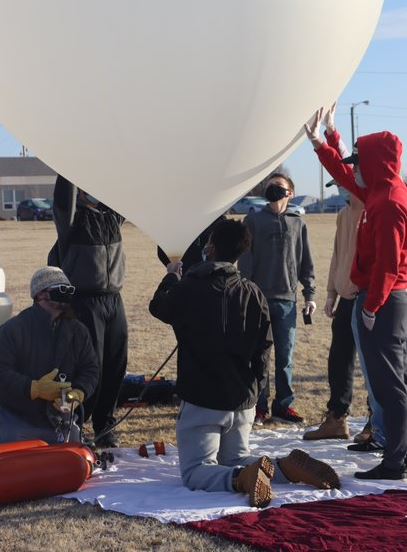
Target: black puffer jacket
[31, 346]
[222, 325]
[89, 247]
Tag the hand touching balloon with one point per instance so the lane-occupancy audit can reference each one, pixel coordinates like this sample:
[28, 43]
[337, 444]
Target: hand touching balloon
[313, 130]
[329, 119]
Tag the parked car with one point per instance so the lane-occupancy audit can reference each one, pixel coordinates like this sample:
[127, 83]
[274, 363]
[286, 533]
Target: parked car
[248, 204]
[34, 209]
[295, 209]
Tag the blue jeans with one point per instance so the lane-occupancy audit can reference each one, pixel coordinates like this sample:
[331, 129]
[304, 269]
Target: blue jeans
[377, 411]
[283, 317]
[13, 428]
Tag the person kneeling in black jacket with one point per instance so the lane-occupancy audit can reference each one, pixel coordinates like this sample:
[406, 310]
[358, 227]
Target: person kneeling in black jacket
[222, 325]
[44, 351]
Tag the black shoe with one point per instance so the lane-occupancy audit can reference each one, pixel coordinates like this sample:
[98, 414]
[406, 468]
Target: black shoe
[286, 414]
[381, 472]
[107, 441]
[369, 446]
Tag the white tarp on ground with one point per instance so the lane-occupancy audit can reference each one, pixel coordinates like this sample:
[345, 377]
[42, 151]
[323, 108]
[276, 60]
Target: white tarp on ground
[151, 487]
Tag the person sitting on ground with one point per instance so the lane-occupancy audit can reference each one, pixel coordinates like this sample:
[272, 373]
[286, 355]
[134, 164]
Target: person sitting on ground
[222, 325]
[44, 351]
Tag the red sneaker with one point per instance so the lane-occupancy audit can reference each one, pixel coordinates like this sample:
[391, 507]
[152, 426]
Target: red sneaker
[286, 415]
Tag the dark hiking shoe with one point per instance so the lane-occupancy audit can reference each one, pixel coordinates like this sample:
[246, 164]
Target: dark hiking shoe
[299, 466]
[286, 415]
[255, 480]
[381, 472]
[109, 440]
[367, 446]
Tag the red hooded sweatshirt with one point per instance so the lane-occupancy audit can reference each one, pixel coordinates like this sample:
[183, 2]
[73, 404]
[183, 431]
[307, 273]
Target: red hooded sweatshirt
[380, 263]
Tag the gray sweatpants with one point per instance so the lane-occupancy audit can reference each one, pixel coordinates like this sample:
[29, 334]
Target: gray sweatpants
[212, 443]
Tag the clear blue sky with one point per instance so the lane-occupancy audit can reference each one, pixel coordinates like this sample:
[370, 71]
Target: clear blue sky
[381, 78]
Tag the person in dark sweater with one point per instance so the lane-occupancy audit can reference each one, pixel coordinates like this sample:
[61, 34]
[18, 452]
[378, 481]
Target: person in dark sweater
[222, 326]
[43, 351]
[90, 252]
[280, 259]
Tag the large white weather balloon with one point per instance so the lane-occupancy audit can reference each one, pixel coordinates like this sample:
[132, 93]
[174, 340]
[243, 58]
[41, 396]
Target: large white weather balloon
[170, 110]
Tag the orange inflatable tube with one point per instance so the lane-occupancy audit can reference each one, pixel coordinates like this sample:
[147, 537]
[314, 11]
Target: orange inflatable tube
[40, 472]
[44, 448]
[21, 445]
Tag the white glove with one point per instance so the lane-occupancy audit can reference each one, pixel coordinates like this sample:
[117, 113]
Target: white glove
[310, 307]
[329, 119]
[329, 307]
[369, 318]
[313, 130]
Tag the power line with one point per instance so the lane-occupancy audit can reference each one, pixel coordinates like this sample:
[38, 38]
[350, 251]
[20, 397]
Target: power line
[381, 72]
[385, 115]
[389, 106]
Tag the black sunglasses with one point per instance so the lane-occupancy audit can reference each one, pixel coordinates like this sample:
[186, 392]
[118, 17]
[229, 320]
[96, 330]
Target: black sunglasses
[63, 288]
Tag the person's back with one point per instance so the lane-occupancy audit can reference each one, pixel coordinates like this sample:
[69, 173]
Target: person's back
[220, 322]
[224, 336]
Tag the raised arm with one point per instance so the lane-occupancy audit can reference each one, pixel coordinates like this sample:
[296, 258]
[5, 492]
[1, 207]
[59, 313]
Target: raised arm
[330, 156]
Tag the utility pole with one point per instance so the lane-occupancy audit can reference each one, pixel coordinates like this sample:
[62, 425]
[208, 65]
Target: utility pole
[321, 188]
[352, 119]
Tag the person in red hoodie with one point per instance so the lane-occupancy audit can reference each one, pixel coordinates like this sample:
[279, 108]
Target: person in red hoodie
[379, 271]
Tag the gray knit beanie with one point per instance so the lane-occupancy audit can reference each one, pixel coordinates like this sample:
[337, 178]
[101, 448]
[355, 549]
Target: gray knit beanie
[47, 277]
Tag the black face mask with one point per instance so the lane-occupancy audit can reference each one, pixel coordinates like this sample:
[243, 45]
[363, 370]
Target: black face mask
[275, 193]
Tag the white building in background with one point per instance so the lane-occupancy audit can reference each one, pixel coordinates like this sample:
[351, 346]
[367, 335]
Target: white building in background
[23, 178]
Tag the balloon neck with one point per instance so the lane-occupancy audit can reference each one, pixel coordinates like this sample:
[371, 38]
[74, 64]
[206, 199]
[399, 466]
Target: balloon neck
[175, 258]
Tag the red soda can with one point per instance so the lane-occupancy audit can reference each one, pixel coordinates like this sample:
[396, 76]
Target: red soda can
[152, 449]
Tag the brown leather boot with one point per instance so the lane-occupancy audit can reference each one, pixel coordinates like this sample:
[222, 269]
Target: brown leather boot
[255, 480]
[298, 466]
[331, 428]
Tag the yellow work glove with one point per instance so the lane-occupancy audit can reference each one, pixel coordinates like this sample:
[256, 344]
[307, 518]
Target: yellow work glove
[47, 388]
[75, 395]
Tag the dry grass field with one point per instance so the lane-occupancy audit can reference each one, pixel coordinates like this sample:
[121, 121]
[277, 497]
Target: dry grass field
[56, 524]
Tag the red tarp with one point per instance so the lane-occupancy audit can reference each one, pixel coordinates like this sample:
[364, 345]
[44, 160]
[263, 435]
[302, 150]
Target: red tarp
[363, 523]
